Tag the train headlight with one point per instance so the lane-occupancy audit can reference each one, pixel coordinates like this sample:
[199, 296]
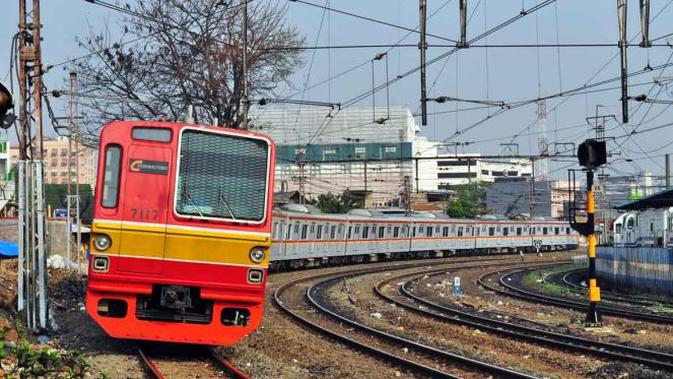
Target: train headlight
[102, 242]
[257, 254]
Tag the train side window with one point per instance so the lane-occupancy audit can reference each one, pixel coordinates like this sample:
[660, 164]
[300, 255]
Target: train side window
[556, 230]
[491, 231]
[312, 229]
[288, 236]
[396, 232]
[372, 232]
[318, 234]
[445, 231]
[332, 232]
[467, 231]
[274, 235]
[518, 231]
[365, 232]
[429, 231]
[404, 231]
[505, 231]
[389, 230]
[568, 230]
[152, 134]
[545, 230]
[350, 228]
[460, 231]
[437, 229]
[453, 230]
[382, 231]
[304, 228]
[477, 231]
[113, 156]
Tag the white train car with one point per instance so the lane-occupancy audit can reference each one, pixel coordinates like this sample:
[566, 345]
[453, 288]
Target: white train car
[646, 228]
[302, 236]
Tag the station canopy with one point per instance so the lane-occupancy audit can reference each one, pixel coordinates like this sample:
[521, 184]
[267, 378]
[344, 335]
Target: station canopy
[661, 199]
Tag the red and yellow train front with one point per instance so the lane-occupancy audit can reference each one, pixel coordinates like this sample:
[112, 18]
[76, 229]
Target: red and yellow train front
[181, 233]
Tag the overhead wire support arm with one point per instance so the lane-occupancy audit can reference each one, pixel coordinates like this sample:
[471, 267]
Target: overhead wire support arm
[444, 99]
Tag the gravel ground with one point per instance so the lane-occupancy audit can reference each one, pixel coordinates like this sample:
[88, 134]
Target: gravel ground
[648, 335]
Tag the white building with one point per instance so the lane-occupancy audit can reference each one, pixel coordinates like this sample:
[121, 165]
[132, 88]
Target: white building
[440, 168]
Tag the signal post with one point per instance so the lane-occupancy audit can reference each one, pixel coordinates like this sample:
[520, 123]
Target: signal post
[591, 154]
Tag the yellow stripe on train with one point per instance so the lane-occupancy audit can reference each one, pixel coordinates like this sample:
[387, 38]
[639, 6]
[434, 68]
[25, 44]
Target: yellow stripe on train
[161, 241]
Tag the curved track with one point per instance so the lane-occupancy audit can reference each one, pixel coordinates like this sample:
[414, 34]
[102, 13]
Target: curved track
[514, 291]
[566, 280]
[325, 279]
[229, 368]
[558, 340]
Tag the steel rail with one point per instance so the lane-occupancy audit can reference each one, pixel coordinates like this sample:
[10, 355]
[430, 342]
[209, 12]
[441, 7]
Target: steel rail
[360, 345]
[513, 291]
[229, 367]
[540, 336]
[149, 365]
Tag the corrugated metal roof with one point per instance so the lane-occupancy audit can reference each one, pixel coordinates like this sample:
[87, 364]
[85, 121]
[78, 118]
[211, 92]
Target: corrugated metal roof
[658, 200]
[295, 125]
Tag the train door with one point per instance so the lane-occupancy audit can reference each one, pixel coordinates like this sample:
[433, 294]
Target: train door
[144, 218]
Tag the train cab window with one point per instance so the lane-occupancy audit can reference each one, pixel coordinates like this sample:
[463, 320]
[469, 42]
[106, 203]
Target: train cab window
[429, 231]
[113, 156]
[152, 134]
[505, 231]
[304, 229]
[396, 232]
[545, 230]
[629, 224]
[460, 231]
[491, 231]
[518, 231]
[445, 231]
[318, 234]
[382, 231]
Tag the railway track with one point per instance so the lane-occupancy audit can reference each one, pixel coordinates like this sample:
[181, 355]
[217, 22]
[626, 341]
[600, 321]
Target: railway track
[550, 338]
[312, 295]
[514, 291]
[227, 367]
[565, 279]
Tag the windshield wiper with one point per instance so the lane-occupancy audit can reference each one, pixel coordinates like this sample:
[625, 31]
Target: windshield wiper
[191, 202]
[226, 204]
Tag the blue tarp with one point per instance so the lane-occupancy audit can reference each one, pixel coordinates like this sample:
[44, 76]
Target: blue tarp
[8, 250]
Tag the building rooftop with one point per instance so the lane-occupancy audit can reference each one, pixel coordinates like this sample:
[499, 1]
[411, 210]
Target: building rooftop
[661, 199]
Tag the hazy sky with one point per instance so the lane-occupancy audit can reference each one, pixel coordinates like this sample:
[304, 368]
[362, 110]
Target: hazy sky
[512, 74]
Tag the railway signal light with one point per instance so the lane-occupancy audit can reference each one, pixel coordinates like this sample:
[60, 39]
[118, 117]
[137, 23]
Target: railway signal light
[592, 154]
[6, 103]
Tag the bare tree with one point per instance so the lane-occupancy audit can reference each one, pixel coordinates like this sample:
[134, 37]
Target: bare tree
[176, 53]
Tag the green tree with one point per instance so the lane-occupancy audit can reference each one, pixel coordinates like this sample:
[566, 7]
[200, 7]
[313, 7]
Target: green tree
[470, 201]
[331, 203]
[56, 197]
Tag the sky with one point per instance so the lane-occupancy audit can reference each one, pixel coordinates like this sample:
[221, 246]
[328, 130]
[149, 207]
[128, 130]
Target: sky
[494, 73]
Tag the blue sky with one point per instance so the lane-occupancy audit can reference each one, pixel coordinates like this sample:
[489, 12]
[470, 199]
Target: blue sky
[512, 72]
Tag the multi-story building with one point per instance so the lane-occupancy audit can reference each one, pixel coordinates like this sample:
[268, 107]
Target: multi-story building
[82, 159]
[366, 150]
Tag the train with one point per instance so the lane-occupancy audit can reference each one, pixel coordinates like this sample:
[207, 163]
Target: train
[305, 237]
[646, 228]
[181, 232]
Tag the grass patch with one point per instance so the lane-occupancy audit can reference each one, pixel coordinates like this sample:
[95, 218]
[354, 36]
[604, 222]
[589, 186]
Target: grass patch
[662, 308]
[535, 279]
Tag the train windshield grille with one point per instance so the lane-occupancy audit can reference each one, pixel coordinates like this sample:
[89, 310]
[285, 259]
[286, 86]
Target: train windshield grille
[222, 176]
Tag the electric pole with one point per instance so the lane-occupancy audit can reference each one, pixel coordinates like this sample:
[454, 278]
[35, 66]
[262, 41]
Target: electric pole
[32, 267]
[422, 45]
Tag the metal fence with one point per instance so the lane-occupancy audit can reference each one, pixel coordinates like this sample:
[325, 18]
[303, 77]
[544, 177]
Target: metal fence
[637, 268]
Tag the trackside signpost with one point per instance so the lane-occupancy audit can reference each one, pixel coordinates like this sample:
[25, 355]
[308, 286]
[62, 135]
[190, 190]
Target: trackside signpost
[591, 155]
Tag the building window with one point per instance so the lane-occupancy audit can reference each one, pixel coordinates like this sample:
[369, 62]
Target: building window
[448, 175]
[485, 172]
[390, 149]
[512, 173]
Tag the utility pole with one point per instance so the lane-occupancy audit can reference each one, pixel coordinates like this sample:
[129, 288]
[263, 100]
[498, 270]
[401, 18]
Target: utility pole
[72, 115]
[422, 45]
[668, 171]
[300, 163]
[32, 270]
[623, 44]
[406, 195]
[462, 43]
[246, 100]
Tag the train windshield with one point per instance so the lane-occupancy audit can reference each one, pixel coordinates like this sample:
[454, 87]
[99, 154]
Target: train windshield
[222, 176]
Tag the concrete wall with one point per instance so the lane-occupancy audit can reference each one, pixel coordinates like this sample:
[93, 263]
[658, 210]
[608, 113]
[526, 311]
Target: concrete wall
[56, 239]
[637, 269]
